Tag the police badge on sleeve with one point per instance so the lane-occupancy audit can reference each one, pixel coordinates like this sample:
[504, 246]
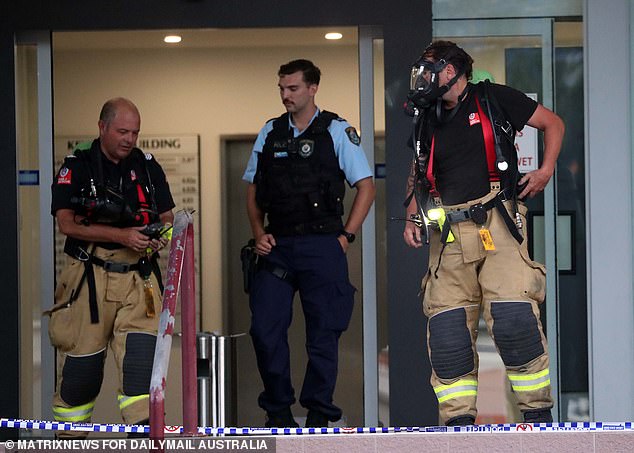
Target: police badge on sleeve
[351, 132]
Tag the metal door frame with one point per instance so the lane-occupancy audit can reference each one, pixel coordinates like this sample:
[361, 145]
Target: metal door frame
[367, 36]
[43, 387]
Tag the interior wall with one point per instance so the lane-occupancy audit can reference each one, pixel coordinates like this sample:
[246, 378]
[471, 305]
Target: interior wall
[210, 92]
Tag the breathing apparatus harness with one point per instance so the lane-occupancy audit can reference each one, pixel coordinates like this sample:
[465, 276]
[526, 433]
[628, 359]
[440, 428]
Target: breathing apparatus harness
[424, 92]
[103, 204]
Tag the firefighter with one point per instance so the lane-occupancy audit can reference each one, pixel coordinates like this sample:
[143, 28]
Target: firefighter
[465, 184]
[108, 198]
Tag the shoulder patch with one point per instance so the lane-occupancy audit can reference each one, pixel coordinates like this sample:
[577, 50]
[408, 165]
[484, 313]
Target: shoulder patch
[65, 176]
[351, 132]
[149, 156]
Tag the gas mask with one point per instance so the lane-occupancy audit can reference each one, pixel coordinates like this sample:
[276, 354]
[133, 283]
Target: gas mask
[424, 89]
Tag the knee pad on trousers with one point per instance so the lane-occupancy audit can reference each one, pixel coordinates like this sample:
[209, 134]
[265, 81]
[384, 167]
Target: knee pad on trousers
[450, 344]
[82, 378]
[137, 363]
[516, 332]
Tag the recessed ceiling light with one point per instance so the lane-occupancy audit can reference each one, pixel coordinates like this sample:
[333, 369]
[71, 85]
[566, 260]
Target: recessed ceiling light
[333, 35]
[172, 39]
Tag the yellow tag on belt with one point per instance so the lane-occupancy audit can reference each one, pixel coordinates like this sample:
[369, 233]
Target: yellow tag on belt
[487, 240]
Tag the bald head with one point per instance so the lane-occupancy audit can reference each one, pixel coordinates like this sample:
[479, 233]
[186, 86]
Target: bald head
[119, 125]
[112, 106]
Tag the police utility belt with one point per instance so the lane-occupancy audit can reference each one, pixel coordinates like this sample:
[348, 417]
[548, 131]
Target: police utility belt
[322, 226]
[252, 263]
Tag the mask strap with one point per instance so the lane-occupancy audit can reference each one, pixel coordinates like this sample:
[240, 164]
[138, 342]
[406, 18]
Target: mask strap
[454, 110]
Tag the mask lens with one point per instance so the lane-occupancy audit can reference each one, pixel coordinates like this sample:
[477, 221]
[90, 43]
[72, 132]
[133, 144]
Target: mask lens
[421, 76]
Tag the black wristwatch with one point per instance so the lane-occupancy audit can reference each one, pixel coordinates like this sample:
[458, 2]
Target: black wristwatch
[349, 236]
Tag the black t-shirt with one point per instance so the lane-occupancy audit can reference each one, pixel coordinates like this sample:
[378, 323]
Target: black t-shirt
[460, 164]
[123, 177]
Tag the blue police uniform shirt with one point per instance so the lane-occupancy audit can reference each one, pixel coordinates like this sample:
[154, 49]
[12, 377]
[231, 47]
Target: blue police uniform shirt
[351, 157]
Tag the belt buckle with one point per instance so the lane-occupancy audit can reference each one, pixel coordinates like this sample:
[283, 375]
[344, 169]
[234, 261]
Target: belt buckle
[82, 255]
[111, 266]
[503, 194]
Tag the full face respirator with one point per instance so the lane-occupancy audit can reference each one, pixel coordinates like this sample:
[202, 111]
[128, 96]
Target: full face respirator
[424, 88]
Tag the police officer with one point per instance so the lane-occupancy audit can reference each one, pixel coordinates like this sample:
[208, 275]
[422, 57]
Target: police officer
[105, 196]
[465, 176]
[297, 171]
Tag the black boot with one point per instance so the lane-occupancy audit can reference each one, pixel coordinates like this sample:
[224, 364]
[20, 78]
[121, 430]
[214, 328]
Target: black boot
[538, 416]
[461, 420]
[281, 419]
[316, 419]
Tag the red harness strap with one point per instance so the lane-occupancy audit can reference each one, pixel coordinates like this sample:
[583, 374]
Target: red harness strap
[489, 146]
[489, 143]
[143, 215]
[430, 169]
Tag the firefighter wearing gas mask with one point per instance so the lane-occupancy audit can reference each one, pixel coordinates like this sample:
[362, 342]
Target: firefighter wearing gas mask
[114, 205]
[465, 199]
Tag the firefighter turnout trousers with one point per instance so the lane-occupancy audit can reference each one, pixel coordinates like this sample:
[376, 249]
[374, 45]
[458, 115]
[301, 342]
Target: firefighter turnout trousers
[81, 345]
[507, 286]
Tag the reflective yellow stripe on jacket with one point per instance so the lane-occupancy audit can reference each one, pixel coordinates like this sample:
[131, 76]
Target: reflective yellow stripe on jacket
[463, 387]
[529, 382]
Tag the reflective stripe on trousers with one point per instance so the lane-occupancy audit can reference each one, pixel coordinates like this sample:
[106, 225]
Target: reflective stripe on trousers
[462, 387]
[125, 401]
[74, 414]
[529, 382]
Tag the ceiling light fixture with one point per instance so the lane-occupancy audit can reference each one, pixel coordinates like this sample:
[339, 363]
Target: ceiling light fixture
[333, 35]
[172, 39]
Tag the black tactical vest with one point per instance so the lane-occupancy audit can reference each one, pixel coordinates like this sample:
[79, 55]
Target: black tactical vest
[299, 183]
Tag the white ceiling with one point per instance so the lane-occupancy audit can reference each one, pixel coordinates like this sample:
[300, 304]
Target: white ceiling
[201, 38]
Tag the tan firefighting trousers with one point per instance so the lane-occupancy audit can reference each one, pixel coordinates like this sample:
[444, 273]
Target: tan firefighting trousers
[507, 286]
[81, 345]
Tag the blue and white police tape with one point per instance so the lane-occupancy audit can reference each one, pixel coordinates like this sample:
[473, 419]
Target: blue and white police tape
[210, 431]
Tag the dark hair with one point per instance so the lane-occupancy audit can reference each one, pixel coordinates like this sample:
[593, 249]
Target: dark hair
[311, 73]
[451, 53]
